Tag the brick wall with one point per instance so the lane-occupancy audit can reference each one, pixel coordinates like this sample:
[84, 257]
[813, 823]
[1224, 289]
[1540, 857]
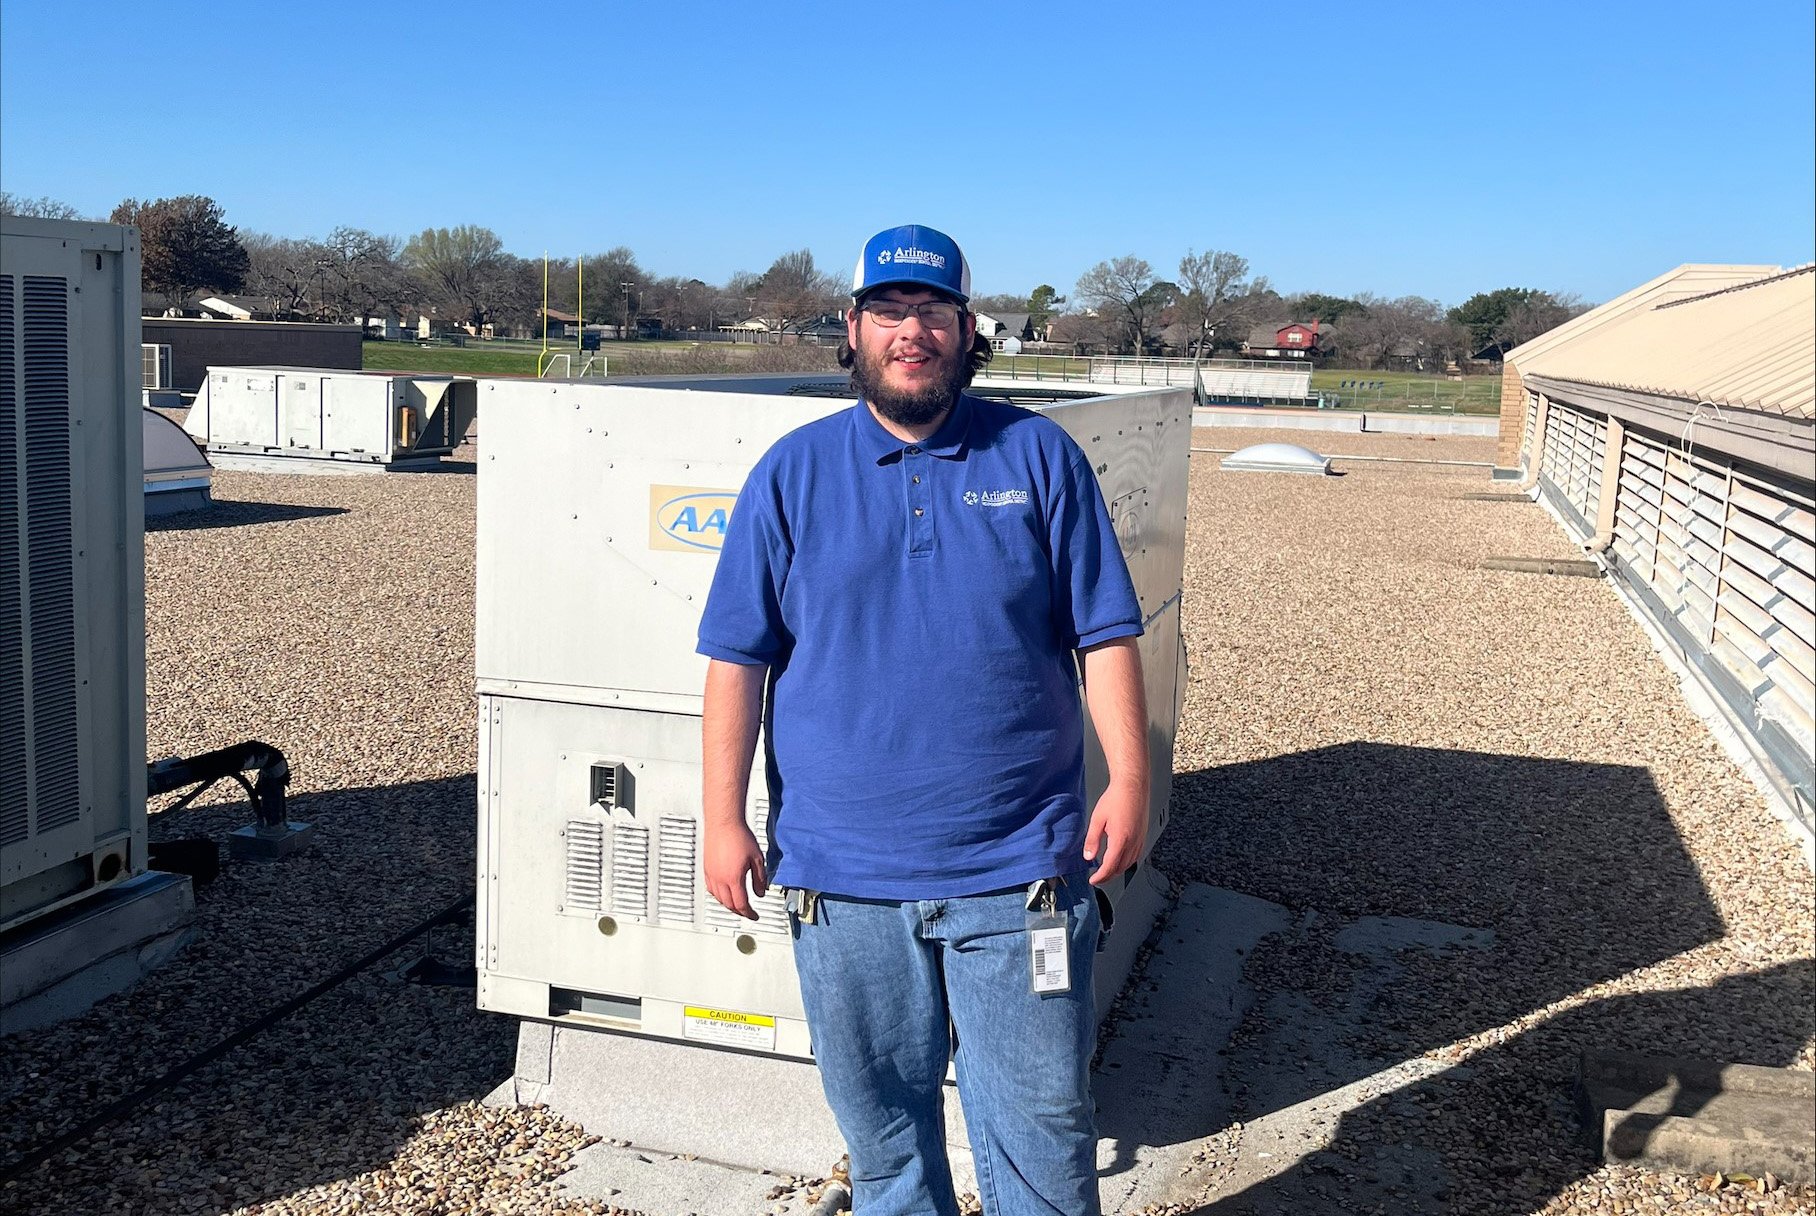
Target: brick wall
[1513, 418]
[195, 346]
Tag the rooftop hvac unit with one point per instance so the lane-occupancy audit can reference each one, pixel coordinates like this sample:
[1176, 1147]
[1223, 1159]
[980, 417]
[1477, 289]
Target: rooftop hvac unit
[600, 511]
[300, 419]
[72, 600]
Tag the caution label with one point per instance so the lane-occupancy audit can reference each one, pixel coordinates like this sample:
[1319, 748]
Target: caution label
[728, 1028]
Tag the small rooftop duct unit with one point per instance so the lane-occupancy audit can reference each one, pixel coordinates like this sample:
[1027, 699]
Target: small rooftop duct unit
[601, 510]
[177, 474]
[72, 566]
[1277, 458]
[301, 419]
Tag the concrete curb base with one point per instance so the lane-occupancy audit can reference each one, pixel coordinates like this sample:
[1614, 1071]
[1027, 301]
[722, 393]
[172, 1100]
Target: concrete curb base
[75, 956]
[1700, 1116]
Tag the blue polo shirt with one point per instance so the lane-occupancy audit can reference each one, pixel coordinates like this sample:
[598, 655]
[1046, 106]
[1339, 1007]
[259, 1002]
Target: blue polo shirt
[918, 606]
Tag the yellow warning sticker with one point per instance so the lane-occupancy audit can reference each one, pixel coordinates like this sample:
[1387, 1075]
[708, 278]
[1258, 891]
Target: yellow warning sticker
[728, 1028]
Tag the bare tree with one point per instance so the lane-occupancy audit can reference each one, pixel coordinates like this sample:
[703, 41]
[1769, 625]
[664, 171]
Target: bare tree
[457, 268]
[281, 272]
[797, 290]
[1411, 330]
[1125, 290]
[1217, 293]
[364, 276]
[1540, 313]
[43, 208]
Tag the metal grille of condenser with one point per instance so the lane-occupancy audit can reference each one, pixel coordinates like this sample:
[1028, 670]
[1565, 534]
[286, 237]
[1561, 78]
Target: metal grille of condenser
[15, 820]
[49, 532]
[1572, 461]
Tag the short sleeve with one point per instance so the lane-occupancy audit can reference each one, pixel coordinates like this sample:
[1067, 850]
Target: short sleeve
[1093, 595]
[742, 621]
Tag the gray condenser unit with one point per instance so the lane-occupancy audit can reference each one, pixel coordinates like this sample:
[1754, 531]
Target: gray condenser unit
[72, 601]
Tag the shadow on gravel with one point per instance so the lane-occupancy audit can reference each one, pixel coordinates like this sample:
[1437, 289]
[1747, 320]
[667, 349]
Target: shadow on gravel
[231, 514]
[327, 1093]
[1576, 871]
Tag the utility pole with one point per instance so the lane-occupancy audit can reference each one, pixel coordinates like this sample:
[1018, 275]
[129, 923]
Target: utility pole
[624, 289]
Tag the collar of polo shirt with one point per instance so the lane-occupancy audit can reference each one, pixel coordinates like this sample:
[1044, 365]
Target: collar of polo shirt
[880, 445]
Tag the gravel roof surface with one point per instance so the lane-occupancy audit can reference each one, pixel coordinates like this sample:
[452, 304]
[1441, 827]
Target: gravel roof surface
[1374, 726]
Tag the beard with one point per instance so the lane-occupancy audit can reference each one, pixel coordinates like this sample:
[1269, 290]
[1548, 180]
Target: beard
[915, 407]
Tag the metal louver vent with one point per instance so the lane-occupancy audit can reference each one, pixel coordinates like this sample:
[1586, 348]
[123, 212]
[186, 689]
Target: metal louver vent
[585, 889]
[675, 862]
[1572, 461]
[14, 814]
[630, 870]
[49, 537]
[772, 912]
[1731, 559]
[1532, 428]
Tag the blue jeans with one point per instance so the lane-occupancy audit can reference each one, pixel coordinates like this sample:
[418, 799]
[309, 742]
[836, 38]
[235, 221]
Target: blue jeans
[889, 985]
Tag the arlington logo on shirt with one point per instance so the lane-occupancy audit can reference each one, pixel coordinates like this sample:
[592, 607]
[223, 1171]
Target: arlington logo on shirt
[996, 498]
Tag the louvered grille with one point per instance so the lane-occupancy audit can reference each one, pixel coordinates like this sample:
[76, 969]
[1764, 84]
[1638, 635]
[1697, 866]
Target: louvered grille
[585, 889]
[630, 871]
[1532, 429]
[49, 533]
[1575, 444]
[676, 857]
[14, 814]
[772, 912]
[1733, 558]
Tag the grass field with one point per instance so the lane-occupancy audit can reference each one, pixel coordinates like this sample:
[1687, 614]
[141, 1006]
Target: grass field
[1409, 391]
[458, 360]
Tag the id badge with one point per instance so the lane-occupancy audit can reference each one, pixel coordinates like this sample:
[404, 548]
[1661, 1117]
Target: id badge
[1049, 953]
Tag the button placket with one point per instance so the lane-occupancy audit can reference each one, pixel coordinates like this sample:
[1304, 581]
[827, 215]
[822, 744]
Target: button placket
[916, 470]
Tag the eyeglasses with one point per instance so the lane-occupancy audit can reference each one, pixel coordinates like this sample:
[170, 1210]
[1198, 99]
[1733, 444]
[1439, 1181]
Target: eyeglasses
[934, 314]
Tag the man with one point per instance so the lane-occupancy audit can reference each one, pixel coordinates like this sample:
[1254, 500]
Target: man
[917, 582]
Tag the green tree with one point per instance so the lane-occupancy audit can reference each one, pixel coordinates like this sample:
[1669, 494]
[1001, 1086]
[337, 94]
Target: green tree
[1316, 306]
[185, 245]
[1486, 311]
[1043, 303]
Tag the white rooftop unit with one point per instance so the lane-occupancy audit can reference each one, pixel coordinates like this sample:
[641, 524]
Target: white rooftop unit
[72, 569]
[600, 511]
[302, 419]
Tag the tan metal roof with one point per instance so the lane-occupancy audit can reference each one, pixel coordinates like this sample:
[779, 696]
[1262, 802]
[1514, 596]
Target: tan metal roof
[1741, 337]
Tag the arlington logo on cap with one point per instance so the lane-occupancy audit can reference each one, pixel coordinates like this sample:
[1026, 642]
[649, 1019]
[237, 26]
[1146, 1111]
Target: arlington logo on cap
[913, 255]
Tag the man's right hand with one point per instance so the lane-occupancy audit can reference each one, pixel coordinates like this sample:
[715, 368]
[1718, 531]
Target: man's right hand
[732, 856]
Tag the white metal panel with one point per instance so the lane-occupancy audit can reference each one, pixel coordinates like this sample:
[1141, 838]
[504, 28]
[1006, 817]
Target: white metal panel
[358, 414]
[72, 766]
[300, 410]
[586, 628]
[242, 407]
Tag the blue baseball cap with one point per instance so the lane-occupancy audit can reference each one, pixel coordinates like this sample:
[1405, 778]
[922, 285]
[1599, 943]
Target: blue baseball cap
[913, 254]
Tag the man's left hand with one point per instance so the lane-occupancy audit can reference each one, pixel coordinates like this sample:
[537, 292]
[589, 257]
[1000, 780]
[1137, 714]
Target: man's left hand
[1118, 829]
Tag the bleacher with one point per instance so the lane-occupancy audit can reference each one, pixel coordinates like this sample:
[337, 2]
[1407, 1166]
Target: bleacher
[1248, 385]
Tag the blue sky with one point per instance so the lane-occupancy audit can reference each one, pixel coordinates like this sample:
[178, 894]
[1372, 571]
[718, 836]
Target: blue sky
[1430, 149]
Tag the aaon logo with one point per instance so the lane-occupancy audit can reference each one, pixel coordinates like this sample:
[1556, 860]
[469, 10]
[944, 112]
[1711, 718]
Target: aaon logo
[689, 519]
